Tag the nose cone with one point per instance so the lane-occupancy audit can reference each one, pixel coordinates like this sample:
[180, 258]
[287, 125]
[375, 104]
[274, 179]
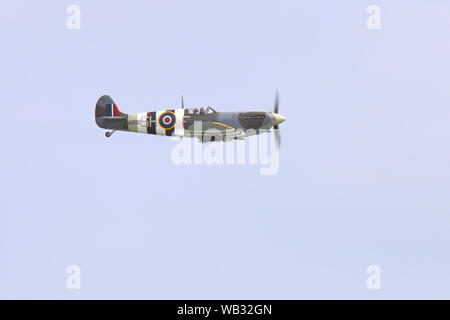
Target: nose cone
[276, 119]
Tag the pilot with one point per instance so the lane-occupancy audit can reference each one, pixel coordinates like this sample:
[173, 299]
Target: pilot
[202, 110]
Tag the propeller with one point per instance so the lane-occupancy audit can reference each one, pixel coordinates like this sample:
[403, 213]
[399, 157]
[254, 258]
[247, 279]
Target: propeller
[275, 107]
[182, 102]
[277, 137]
[276, 120]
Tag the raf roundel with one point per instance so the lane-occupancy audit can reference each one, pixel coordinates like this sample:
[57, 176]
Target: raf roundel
[167, 120]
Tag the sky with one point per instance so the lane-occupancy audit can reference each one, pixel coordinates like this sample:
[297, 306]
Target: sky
[364, 175]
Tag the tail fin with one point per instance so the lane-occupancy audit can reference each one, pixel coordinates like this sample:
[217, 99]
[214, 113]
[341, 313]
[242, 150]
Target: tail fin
[107, 114]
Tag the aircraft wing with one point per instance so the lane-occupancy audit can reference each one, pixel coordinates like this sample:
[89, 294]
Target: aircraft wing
[222, 127]
[212, 129]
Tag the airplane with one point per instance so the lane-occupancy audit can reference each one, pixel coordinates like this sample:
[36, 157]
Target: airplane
[206, 124]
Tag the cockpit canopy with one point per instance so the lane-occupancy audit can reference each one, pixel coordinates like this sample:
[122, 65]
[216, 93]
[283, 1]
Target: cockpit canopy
[202, 110]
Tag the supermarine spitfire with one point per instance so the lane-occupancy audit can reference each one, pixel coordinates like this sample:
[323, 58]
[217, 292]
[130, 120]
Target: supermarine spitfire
[206, 124]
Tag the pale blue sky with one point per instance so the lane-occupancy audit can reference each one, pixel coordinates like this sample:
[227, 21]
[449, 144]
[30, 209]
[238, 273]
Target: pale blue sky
[364, 172]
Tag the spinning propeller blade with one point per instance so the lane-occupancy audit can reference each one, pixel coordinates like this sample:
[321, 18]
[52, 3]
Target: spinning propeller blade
[278, 119]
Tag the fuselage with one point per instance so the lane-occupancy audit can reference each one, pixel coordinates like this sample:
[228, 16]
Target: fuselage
[181, 122]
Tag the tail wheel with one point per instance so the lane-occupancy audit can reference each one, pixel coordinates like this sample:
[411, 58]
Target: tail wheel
[107, 134]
